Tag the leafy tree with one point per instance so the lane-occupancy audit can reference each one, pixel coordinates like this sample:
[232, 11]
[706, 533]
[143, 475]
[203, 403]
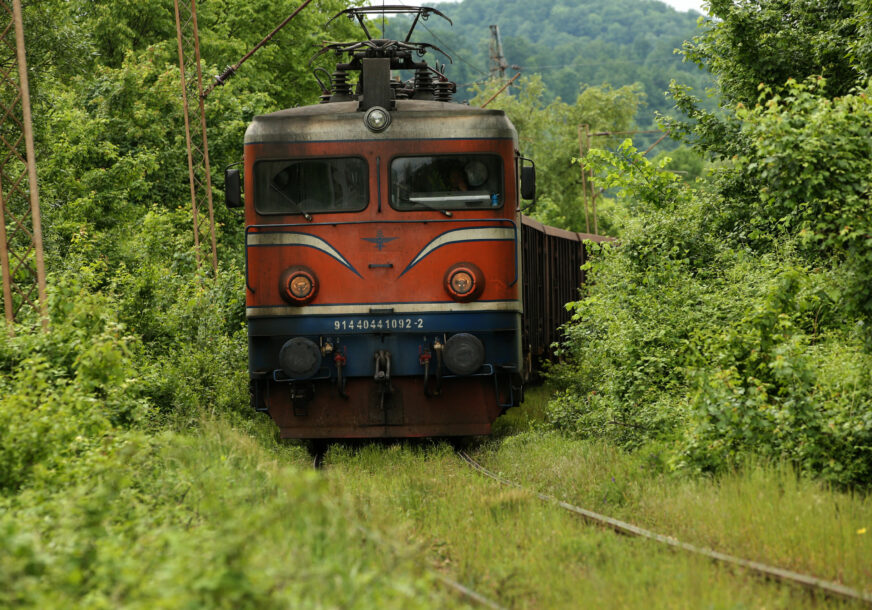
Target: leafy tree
[572, 42]
[108, 127]
[548, 134]
[771, 41]
[688, 164]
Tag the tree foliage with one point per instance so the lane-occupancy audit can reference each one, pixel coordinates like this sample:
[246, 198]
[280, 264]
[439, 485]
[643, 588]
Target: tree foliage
[572, 42]
[735, 318]
[548, 134]
[771, 41]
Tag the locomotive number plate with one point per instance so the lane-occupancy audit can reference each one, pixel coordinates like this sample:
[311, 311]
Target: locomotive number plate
[375, 324]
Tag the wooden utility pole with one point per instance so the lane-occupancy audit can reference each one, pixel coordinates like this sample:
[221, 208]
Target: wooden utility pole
[199, 171]
[583, 147]
[21, 253]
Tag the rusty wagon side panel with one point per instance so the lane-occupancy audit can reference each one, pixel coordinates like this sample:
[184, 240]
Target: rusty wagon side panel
[552, 260]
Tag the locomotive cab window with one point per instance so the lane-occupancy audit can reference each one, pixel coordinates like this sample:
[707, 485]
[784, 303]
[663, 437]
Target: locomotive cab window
[306, 186]
[447, 182]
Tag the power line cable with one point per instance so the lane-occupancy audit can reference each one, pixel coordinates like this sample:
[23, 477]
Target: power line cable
[453, 52]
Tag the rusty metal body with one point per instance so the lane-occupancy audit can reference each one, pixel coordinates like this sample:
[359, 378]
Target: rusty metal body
[21, 252]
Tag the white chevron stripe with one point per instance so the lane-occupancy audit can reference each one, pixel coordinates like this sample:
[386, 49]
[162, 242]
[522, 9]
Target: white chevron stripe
[462, 235]
[296, 239]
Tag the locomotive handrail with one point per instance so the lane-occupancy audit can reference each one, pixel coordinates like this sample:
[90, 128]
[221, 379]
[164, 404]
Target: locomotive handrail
[309, 225]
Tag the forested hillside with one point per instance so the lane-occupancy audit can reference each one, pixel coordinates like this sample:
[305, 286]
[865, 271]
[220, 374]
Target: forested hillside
[575, 42]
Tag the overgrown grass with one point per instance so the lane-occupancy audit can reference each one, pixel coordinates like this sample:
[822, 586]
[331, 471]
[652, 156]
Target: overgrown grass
[508, 545]
[763, 512]
[210, 519]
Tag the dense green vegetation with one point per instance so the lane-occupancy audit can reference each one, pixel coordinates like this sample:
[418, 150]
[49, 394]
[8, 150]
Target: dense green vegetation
[734, 319]
[548, 134]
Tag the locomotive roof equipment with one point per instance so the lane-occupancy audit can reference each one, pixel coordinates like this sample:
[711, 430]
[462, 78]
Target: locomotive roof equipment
[375, 58]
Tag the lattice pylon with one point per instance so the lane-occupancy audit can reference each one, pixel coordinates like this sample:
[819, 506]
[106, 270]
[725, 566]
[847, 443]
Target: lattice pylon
[195, 129]
[21, 253]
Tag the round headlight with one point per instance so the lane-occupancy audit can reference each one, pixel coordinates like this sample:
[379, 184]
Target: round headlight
[300, 358]
[377, 119]
[464, 282]
[301, 286]
[464, 354]
[298, 285]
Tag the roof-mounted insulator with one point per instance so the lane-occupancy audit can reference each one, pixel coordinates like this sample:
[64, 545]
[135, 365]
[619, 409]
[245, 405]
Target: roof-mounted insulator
[443, 90]
[399, 89]
[424, 89]
[341, 87]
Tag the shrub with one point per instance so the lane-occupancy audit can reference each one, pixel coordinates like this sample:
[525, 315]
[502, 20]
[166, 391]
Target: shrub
[690, 335]
[764, 386]
[64, 393]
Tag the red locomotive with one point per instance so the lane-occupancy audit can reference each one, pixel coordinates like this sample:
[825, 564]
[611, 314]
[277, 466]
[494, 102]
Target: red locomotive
[384, 254]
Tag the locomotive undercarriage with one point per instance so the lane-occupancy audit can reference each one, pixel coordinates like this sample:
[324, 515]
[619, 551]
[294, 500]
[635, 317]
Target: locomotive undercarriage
[315, 409]
[434, 400]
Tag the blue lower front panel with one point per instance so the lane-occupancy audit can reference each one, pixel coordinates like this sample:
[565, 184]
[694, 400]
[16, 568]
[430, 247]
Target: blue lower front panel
[405, 336]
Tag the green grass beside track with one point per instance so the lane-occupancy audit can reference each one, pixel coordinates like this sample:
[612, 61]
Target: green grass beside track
[511, 547]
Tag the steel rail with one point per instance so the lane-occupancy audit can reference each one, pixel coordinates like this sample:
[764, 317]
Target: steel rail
[449, 582]
[809, 582]
[466, 591]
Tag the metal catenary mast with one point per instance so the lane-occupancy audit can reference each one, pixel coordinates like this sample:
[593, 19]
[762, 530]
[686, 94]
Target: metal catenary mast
[498, 60]
[200, 177]
[21, 253]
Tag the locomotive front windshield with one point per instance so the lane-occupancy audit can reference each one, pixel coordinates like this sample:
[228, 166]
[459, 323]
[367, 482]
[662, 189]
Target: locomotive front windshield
[444, 182]
[304, 186]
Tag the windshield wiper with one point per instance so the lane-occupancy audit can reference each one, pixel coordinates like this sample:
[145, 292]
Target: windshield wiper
[305, 214]
[422, 201]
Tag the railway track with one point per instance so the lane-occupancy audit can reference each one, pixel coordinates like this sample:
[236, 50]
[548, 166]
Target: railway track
[810, 583]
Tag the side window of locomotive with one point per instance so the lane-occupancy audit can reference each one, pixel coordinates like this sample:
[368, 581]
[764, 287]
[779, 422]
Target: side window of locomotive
[456, 182]
[304, 186]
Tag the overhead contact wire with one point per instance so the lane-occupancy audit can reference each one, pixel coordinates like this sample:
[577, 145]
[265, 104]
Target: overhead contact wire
[780, 574]
[445, 44]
